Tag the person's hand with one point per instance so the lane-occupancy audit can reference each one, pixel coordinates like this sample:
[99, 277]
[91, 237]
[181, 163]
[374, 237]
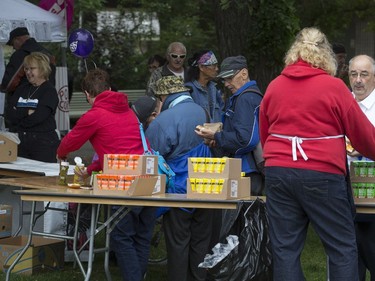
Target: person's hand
[81, 173]
[353, 153]
[210, 143]
[205, 132]
[61, 159]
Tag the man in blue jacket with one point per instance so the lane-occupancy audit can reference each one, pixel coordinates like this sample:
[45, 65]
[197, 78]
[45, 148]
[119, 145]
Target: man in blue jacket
[240, 135]
[187, 232]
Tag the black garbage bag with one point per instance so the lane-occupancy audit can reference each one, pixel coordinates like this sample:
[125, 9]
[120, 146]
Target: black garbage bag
[251, 259]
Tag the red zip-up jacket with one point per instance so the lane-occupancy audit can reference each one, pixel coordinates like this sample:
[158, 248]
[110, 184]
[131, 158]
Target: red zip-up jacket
[309, 103]
[110, 126]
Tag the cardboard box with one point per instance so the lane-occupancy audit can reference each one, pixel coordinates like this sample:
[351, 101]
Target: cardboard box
[141, 186]
[216, 127]
[145, 165]
[8, 149]
[360, 179]
[5, 221]
[232, 170]
[232, 189]
[43, 253]
[160, 185]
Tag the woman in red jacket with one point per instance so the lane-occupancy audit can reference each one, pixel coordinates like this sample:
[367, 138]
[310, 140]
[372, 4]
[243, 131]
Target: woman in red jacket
[304, 116]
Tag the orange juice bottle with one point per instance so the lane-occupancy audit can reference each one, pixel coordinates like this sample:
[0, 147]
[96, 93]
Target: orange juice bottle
[135, 161]
[121, 182]
[104, 182]
[121, 162]
[110, 161]
[112, 182]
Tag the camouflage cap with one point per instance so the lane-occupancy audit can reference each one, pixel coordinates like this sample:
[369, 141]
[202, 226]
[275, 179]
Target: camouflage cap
[168, 85]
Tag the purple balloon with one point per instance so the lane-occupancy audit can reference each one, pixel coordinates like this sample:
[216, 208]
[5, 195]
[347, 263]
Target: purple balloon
[81, 42]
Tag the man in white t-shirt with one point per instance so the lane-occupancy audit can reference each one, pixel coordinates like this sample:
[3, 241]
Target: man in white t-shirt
[362, 82]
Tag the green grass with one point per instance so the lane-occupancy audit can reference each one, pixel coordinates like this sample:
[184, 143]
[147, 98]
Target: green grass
[313, 262]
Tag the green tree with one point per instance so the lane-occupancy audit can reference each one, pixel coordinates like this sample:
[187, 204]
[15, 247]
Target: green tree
[261, 30]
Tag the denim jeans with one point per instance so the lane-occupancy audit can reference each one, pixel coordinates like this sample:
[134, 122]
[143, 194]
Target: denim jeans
[297, 197]
[130, 240]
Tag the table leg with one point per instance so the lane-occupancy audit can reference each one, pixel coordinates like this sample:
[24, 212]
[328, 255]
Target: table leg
[75, 235]
[20, 219]
[92, 241]
[107, 246]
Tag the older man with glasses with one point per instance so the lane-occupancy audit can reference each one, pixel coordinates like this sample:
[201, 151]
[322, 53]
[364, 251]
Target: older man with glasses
[362, 82]
[175, 55]
[240, 136]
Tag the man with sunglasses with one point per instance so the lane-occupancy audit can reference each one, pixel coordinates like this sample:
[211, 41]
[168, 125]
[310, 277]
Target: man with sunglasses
[176, 54]
[239, 137]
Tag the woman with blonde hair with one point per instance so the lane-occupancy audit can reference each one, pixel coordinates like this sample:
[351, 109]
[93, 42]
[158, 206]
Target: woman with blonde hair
[31, 111]
[304, 116]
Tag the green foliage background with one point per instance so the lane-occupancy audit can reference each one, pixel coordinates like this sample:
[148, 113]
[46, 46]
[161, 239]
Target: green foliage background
[261, 30]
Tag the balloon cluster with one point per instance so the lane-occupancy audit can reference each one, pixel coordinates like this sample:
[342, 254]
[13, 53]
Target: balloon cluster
[81, 42]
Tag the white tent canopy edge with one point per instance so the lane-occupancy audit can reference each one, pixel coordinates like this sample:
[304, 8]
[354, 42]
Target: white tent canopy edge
[42, 25]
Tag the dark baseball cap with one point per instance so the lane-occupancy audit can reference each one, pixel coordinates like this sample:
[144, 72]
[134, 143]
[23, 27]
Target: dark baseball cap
[231, 65]
[338, 48]
[143, 107]
[19, 31]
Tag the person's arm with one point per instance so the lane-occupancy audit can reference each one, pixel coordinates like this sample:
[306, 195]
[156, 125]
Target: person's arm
[11, 69]
[360, 131]
[242, 121]
[83, 130]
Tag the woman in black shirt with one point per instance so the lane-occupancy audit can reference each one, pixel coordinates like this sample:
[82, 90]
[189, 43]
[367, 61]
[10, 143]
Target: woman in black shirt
[31, 111]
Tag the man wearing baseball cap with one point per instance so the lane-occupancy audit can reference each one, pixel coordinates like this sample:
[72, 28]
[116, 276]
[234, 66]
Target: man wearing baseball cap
[239, 137]
[187, 232]
[23, 44]
[146, 108]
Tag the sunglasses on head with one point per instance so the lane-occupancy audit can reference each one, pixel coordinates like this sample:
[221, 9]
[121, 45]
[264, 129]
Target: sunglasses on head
[175, 56]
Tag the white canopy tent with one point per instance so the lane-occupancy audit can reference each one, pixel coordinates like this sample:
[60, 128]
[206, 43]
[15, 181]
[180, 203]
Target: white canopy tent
[44, 27]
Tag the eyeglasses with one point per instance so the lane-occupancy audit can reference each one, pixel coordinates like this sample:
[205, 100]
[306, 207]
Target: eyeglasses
[175, 56]
[26, 69]
[362, 75]
[229, 79]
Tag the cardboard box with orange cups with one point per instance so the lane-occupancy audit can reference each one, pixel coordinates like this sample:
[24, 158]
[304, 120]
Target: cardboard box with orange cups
[130, 164]
[129, 175]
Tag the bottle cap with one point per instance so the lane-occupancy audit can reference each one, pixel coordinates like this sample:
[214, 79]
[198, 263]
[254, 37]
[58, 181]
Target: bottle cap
[78, 160]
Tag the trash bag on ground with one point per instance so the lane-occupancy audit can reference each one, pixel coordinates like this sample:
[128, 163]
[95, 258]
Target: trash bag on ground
[251, 258]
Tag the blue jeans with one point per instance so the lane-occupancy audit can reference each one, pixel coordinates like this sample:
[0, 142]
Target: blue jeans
[130, 240]
[296, 197]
